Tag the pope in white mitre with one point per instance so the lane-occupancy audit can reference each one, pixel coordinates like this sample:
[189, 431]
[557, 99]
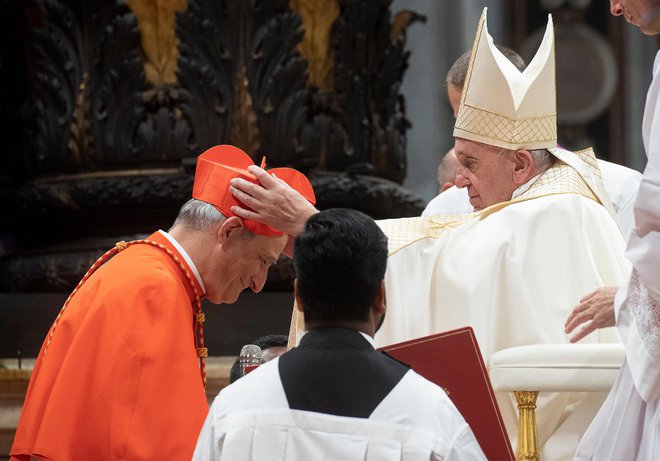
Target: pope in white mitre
[542, 234]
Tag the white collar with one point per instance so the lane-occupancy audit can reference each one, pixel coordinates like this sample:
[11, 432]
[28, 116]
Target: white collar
[368, 338]
[524, 188]
[185, 255]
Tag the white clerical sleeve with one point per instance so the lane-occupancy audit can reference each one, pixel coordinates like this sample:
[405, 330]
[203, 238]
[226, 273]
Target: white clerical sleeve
[639, 324]
[644, 246]
[638, 303]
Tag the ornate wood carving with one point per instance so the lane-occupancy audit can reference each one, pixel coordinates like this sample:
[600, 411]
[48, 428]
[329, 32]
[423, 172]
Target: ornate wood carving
[368, 71]
[318, 18]
[124, 93]
[207, 67]
[160, 45]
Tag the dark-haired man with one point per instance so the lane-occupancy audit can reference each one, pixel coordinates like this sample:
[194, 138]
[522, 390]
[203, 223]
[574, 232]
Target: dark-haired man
[335, 396]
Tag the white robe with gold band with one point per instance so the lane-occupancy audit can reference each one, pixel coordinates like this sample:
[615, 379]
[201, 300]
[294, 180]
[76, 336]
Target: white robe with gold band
[513, 272]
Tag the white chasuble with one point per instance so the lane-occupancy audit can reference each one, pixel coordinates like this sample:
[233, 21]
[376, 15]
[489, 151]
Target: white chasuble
[513, 272]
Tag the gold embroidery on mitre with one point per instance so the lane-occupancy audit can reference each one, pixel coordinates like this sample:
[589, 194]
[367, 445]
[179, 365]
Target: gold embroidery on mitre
[503, 106]
[512, 131]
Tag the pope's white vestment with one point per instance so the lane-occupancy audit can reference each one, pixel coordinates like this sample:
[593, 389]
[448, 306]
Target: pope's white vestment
[513, 272]
[628, 425]
[251, 420]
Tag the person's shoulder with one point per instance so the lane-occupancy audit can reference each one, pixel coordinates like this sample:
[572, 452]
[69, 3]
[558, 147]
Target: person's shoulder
[551, 207]
[423, 405]
[618, 176]
[451, 201]
[393, 363]
[611, 167]
[431, 391]
[140, 265]
[428, 402]
[261, 388]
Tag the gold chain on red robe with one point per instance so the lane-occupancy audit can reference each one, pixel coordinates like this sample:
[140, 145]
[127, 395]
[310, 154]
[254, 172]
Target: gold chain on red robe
[202, 352]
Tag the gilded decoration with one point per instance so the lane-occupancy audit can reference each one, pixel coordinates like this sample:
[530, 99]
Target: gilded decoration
[156, 21]
[244, 131]
[527, 440]
[318, 18]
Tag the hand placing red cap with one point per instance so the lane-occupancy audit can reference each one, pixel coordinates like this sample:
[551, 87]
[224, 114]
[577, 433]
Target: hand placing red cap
[220, 165]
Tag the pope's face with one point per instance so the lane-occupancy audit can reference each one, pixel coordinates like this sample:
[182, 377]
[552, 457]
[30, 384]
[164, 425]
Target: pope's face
[241, 263]
[637, 13]
[486, 171]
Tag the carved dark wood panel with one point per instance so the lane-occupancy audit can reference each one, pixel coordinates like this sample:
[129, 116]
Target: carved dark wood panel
[207, 64]
[111, 130]
[370, 62]
[277, 76]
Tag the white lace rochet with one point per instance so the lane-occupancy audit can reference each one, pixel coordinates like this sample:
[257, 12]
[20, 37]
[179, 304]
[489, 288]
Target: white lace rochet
[646, 312]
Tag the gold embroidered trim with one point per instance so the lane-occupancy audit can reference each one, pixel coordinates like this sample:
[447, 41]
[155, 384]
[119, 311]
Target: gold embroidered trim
[558, 179]
[514, 131]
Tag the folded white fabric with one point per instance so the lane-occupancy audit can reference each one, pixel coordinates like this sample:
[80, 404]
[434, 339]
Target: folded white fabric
[556, 367]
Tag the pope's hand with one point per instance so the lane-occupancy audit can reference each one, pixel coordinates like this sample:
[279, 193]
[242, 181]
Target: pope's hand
[272, 202]
[596, 310]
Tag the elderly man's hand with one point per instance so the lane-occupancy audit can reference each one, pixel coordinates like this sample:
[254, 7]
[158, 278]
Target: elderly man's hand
[597, 309]
[273, 203]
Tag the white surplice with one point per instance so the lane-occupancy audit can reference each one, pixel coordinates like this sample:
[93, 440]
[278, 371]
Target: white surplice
[251, 420]
[628, 425]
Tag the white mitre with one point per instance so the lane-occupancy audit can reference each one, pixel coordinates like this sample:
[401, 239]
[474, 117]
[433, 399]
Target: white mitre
[504, 107]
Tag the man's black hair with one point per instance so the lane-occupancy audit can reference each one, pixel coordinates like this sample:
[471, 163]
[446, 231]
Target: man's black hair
[340, 260]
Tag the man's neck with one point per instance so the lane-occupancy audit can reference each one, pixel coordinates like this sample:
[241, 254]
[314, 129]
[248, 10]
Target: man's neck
[525, 186]
[368, 337]
[193, 244]
[362, 327]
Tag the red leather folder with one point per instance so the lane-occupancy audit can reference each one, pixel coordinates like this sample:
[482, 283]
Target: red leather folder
[453, 361]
